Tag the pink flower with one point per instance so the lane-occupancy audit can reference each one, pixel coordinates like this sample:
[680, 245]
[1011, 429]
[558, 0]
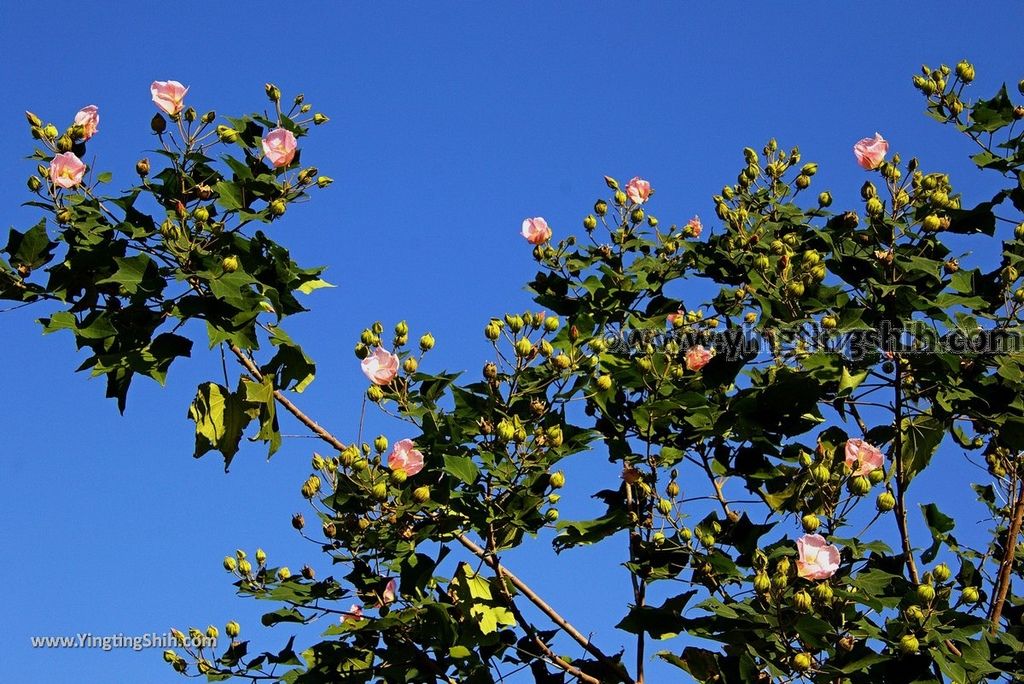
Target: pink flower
[673, 316]
[870, 152]
[638, 190]
[168, 96]
[404, 457]
[279, 145]
[818, 559]
[697, 357]
[862, 457]
[695, 226]
[88, 118]
[66, 170]
[354, 613]
[380, 367]
[388, 596]
[536, 231]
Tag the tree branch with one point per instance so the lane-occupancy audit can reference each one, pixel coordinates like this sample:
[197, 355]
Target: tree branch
[1006, 564]
[901, 505]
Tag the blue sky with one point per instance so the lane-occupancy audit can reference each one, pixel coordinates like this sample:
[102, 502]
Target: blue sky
[451, 122]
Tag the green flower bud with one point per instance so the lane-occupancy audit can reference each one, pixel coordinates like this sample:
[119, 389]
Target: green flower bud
[965, 71]
[604, 383]
[931, 223]
[374, 393]
[885, 502]
[941, 572]
[810, 523]
[823, 593]
[261, 557]
[227, 134]
[589, 223]
[319, 119]
[551, 515]
[323, 181]
[410, 365]
[600, 208]
[637, 215]
[65, 143]
[505, 431]
[874, 207]
[34, 183]
[802, 662]
[33, 120]
[859, 486]
[399, 477]
[802, 601]
[230, 564]
[50, 131]
[1010, 274]
[829, 322]
[232, 629]
[189, 114]
[620, 197]
[762, 583]
[170, 656]
[380, 491]
[421, 494]
[821, 473]
[272, 91]
[925, 593]
[557, 480]
[427, 342]
[809, 169]
[802, 182]
[795, 289]
[277, 207]
[208, 117]
[672, 490]
[380, 444]
[664, 507]
[909, 644]
[970, 594]
[523, 347]
[244, 566]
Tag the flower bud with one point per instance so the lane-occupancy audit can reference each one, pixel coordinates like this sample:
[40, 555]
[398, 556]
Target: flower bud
[324, 181]
[604, 383]
[410, 365]
[802, 662]
[810, 523]
[970, 594]
[809, 169]
[201, 214]
[65, 143]
[796, 289]
[965, 71]
[399, 476]
[50, 131]
[802, 601]
[600, 208]
[142, 167]
[277, 207]
[261, 557]
[421, 494]
[227, 135]
[762, 583]
[557, 480]
[32, 119]
[34, 183]
[822, 593]
[208, 117]
[925, 593]
[637, 215]
[230, 564]
[505, 431]
[874, 207]
[170, 656]
[427, 342]
[859, 486]
[523, 347]
[380, 444]
[664, 506]
[802, 182]
[885, 502]
[562, 361]
[319, 119]
[380, 491]
[374, 393]
[232, 629]
[189, 114]
[931, 223]
[672, 490]
[551, 515]
[620, 198]
[909, 644]
[272, 91]
[244, 566]
[941, 572]
[821, 473]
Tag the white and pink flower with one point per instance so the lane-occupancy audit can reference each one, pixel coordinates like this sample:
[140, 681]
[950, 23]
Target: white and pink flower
[405, 457]
[67, 170]
[861, 457]
[697, 357]
[638, 190]
[169, 96]
[88, 118]
[817, 559]
[380, 367]
[536, 231]
[279, 146]
[870, 152]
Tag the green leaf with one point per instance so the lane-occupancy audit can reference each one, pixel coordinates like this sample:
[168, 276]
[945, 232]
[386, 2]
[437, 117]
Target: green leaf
[921, 437]
[661, 622]
[220, 417]
[461, 467]
[133, 271]
[229, 195]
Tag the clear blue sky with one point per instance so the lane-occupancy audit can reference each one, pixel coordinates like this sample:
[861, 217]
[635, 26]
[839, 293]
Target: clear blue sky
[451, 122]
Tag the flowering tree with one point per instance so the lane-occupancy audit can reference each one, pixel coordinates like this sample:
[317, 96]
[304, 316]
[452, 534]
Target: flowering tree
[838, 351]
